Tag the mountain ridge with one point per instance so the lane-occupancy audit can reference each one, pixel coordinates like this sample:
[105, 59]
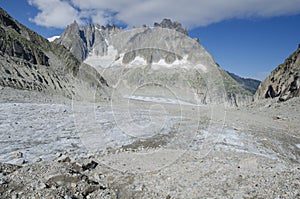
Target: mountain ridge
[248, 84]
[30, 62]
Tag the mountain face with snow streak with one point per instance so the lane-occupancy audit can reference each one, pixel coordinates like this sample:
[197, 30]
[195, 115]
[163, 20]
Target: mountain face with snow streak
[51, 39]
[162, 55]
[86, 41]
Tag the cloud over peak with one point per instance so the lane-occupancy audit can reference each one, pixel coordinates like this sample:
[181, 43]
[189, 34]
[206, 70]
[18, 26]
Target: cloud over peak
[191, 13]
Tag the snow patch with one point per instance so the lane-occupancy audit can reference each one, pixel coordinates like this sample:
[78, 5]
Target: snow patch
[161, 100]
[98, 28]
[102, 61]
[138, 61]
[51, 39]
[183, 63]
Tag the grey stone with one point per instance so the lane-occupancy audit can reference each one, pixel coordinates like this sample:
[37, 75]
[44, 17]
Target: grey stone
[64, 158]
[18, 154]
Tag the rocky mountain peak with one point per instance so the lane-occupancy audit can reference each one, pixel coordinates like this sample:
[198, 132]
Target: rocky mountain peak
[167, 23]
[73, 28]
[82, 41]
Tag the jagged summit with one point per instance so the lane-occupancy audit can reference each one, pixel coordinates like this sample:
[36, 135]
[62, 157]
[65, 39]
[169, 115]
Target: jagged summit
[95, 39]
[167, 23]
[100, 46]
[87, 39]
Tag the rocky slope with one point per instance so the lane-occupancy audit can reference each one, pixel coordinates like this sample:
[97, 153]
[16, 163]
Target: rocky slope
[284, 82]
[30, 62]
[248, 84]
[163, 55]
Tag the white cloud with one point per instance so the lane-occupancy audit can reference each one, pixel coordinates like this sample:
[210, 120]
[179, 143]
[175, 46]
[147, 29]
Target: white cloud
[54, 13]
[191, 13]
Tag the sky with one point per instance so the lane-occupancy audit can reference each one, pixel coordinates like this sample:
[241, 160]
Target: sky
[247, 37]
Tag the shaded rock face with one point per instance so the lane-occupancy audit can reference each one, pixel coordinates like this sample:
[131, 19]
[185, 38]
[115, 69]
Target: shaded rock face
[15, 48]
[151, 55]
[18, 48]
[283, 82]
[270, 92]
[22, 74]
[30, 62]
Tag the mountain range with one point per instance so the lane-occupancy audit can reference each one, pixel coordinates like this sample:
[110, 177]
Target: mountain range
[163, 54]
[95, 58]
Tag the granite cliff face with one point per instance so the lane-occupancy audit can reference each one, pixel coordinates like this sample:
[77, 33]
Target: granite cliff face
[163, 54]
[82, 41]
[284, 82]
[30, 62]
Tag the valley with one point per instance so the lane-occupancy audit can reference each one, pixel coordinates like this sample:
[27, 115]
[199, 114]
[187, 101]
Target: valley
[101, 112]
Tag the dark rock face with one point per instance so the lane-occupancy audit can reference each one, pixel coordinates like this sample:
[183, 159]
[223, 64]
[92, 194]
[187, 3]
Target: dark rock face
[283, 82]
[25, 61]
[167, 23]
[16, 48]
[6, 20]
[270, 92]
[151, 56]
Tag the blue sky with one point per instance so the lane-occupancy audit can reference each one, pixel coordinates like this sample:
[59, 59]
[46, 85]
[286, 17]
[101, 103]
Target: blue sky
[246, 37]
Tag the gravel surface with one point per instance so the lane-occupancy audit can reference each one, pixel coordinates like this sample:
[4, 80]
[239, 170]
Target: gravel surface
[52, 147]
